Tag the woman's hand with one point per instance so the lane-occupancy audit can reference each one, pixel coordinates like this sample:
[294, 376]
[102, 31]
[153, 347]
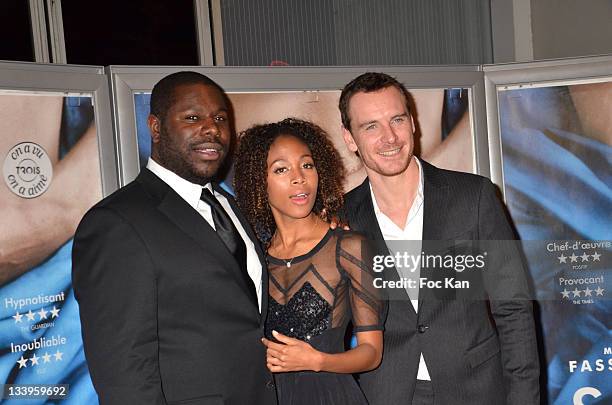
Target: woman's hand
[291, 355]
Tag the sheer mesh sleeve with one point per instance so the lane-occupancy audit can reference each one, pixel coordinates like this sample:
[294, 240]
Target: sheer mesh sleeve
[367, 303]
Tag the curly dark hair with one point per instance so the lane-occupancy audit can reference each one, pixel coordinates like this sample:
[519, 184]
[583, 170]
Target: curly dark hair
[367, 83]
[251, 178]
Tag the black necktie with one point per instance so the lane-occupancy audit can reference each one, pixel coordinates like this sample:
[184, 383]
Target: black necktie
[225, 228]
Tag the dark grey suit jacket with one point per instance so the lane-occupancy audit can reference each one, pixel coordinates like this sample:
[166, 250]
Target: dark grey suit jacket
[471, 358]
[167, 314]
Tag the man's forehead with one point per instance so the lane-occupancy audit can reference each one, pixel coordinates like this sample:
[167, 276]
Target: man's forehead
[377, 100]
[389, 91]
[196, 87]
[210, 93]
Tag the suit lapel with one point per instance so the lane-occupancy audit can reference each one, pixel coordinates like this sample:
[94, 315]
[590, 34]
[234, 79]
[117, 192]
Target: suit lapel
[367, 223]
[177, 210]
[435, 196]
[365, 217]
[260, 253]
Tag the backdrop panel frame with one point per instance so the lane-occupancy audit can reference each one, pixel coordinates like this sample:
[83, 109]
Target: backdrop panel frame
[126, 81]
[529, 74]
[66, 79]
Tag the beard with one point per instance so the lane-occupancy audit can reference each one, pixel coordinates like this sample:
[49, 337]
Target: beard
[179, 160]
[389, 170]
[399, 169]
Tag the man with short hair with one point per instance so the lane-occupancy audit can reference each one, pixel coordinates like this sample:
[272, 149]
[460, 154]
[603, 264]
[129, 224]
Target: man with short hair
[436, 351]
[169, 278]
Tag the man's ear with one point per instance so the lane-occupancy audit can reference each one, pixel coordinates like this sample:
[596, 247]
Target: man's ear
[154, 127]
[348, 139]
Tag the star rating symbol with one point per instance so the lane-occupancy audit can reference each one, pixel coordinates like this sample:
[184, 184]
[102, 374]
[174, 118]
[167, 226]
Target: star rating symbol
[585, 257]
[17, 317]
[573, 258]
[587, 292]
[576, 292]
[565, 293]
[42, 314]
[599, 291]
[596, 256]
[46, 358]
[562, 258]
[58, 355]
[22, 362]
[55, 312]
[30, 315]
[34, 359]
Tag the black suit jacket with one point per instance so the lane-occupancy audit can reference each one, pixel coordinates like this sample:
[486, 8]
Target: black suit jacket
[470, 359]
[167, 314]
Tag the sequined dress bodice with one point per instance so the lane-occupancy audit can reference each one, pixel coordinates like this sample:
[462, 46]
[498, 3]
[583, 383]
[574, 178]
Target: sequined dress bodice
[305, 315]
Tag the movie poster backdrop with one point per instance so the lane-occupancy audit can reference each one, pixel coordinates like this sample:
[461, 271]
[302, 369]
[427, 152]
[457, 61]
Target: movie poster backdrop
[557, 156]
[51, 176]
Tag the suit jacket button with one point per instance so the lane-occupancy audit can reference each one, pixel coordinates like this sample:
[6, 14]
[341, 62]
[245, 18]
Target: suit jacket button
[270, 384]
[422, 328]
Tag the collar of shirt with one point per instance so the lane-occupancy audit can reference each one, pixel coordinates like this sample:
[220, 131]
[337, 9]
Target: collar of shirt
[416, 207]
[188, 191]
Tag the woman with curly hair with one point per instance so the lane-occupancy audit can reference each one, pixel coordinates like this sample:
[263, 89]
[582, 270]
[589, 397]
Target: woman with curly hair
[288, 180]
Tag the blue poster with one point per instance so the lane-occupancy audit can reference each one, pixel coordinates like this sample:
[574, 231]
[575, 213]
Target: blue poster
[557, 155]
[51, 176]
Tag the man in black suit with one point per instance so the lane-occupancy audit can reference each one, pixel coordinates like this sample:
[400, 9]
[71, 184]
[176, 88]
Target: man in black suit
[170, 282]
[436, 351]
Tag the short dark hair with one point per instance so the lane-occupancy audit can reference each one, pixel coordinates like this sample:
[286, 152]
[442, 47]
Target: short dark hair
[162, 95]
[366, 83]
[250, 178]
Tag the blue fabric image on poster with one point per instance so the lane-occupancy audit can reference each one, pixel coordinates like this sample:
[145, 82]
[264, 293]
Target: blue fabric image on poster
[40, 334]
[559, 192]
[142, 107]
[50, 342]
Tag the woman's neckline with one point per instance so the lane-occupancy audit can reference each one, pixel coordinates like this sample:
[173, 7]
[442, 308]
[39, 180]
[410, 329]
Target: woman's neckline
[297, 259]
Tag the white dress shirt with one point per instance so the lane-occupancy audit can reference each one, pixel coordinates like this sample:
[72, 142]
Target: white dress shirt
[191, 192]
[412, 230]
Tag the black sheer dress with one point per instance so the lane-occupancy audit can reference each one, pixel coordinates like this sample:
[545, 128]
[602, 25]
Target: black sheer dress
[313, 297]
